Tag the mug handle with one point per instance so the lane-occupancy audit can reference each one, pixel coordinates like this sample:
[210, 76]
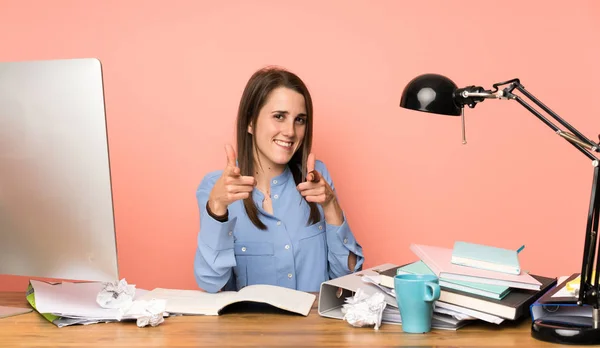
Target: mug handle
[435, 291]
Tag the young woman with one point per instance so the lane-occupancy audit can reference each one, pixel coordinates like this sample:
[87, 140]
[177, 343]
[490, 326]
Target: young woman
[272, 216]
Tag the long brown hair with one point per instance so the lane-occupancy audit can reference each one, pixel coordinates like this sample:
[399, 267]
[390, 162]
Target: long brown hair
[254, 97]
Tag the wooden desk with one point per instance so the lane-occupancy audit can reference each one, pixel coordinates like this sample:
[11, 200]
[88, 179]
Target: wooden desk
[243, 327]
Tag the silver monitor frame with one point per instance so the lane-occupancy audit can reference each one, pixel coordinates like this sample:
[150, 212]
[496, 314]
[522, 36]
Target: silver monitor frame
[56, 200]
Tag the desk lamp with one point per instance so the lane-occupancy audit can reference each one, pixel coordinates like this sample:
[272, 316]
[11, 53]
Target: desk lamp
[438, 94]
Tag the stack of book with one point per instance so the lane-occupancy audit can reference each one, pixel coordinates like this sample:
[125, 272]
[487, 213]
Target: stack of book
[479, 281]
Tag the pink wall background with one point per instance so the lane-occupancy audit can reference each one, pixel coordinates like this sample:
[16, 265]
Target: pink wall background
[174, 72]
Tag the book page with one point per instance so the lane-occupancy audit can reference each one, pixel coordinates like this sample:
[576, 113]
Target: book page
[564, 291]
[287, 299]
[193, 301]
[204, 303]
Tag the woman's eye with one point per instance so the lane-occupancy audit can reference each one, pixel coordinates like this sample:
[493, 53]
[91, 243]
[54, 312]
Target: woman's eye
[301, 120]
[279, 116]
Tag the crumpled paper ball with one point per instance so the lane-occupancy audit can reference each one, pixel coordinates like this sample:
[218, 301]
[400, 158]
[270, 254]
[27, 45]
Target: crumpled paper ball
[147, 312]
[116, 295]
[364, 310]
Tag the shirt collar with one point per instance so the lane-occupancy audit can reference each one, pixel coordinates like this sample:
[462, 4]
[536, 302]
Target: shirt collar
[276, 183]
[281, 178]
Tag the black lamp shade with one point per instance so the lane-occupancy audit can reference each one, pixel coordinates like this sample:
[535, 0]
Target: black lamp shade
[431, 93]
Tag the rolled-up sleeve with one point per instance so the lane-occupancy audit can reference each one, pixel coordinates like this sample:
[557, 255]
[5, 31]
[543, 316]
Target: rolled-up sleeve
[214, 257]
[340, 242]
[340, 239]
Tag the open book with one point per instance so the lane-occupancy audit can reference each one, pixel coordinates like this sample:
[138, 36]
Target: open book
[195, 302]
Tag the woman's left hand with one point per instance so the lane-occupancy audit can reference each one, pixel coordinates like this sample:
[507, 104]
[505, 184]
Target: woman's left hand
[315, 189]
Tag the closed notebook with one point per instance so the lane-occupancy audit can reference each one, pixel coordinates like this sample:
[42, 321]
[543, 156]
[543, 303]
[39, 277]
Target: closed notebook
[497, 292]
[486, 257]
[438, 259]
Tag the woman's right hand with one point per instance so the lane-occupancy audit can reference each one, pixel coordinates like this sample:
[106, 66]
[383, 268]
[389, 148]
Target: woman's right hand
[231, 186]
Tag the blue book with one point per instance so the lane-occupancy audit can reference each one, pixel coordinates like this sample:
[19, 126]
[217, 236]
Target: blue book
[486, 257]
[496, 292]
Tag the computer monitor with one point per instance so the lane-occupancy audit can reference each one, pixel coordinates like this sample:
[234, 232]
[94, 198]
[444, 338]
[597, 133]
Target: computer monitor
[56, 206]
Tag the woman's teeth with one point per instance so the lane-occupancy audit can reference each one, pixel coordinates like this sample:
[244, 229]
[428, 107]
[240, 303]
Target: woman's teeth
[283, 143]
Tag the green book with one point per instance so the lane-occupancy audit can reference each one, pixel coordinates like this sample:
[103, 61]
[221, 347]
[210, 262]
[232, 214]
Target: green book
[496, 292]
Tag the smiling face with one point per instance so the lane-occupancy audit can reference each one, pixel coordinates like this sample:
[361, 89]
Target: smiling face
[280, 128]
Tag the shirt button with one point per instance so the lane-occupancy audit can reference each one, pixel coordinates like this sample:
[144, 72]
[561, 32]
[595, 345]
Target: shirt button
[230, 233]
[274, 181]
[290, 275]
[287, 246]
[244, 249]
[278, 223]
[345, 240]
[276, 196]
[320, 227]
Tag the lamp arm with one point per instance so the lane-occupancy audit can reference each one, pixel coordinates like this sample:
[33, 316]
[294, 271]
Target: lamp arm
[593, 146]
[472, 95]
[582, 144]
[589, 290]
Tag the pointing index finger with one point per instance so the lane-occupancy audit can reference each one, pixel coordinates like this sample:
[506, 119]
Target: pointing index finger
[310, 162]
[230, 155]
[312, 175]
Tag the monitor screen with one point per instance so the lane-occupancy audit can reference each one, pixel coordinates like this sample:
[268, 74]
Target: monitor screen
[56, 208]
